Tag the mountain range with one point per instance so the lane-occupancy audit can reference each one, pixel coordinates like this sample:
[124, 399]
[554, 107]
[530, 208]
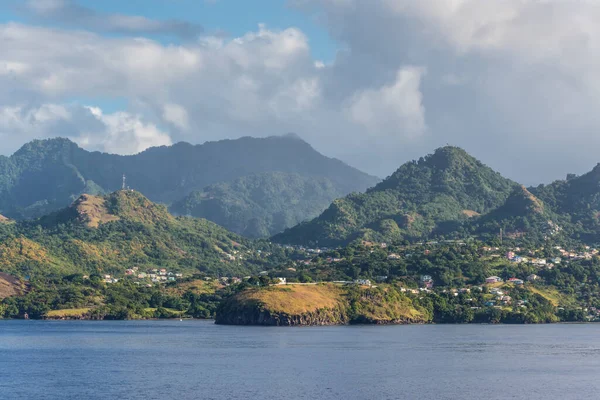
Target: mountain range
[274, 186]
[450, 194]
[240, 184]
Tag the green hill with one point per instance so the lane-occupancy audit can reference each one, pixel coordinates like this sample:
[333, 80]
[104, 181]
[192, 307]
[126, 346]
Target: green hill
[441, 188]
[261, 205]
[47, 175]
[577, 198]
[522, 214]
[121, 230]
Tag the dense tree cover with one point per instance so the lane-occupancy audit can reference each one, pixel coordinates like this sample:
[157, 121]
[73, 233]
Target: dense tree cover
[450, 195]
[123, 300]
[261, 205]
[47, 175]
[446, 186]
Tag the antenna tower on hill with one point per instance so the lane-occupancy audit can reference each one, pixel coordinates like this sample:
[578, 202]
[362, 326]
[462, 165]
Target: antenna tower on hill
[124, 182]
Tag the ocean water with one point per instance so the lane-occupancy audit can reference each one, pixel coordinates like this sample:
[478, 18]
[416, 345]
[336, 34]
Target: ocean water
[200, 360]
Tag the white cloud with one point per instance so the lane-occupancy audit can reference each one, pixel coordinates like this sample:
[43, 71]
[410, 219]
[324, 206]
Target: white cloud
[120, 132]
[397, 106]
[514, 82]
[176, 115]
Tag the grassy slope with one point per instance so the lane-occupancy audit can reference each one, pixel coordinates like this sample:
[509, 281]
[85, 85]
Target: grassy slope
[111, 233]
[362, 305]
[295, 299]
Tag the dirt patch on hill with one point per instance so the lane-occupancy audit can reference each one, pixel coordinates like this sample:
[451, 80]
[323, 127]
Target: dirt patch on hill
[92, 211]
[470, 213]
[11, 286]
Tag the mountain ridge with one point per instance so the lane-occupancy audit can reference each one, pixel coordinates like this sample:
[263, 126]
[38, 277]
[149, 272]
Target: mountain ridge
[411, 202]
[46, 175]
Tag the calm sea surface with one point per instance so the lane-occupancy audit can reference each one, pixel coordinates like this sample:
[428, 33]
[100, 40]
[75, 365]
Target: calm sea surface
[200, 360]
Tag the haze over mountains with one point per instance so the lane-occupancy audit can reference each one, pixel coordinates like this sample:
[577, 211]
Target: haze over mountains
[47, 175]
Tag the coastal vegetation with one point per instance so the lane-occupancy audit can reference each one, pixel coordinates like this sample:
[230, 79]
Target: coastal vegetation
[445, 239]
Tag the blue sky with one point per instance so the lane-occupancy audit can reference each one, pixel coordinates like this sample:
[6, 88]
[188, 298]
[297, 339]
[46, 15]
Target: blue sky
[234, 17]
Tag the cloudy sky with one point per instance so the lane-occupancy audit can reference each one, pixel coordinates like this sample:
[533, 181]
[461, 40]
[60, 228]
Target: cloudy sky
[374, 83]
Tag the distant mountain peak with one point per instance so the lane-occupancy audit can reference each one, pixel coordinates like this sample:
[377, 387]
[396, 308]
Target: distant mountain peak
[451, 156]
[442, 187]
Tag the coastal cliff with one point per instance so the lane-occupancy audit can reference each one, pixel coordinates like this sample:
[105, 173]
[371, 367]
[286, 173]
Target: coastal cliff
[314, 305]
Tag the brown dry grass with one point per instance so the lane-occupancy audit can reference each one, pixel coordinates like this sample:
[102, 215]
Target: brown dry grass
[470, 213]
[92, 210]
[297, 299]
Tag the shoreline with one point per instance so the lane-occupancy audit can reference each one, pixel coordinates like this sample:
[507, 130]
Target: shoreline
[291, 326]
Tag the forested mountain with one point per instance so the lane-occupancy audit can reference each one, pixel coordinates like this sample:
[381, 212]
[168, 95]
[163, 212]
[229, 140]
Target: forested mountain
[262, 204]
[578, 199]
[123, 230]
[46, 175]
[444, 187]
[522, 214]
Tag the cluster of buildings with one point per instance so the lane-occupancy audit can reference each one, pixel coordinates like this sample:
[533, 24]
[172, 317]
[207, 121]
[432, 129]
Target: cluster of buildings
[154, 275]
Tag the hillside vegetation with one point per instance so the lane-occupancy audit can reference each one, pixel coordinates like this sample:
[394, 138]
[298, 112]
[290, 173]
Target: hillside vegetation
[434, 192]
[261, 205]
[47, 175]
[122, 230]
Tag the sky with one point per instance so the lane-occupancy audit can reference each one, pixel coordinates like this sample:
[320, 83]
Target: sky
[374, 83]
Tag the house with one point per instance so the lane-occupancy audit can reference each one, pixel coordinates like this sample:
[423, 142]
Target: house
[281, 281]
[142, 275]
[425, 278]
[510, 255]
[489, 303]
[179, 275]
[365, 282]
[171, 278]
[493, 279]
[516, 281]
[394, 256]
[496, 291]
[263, 273]
[533, 277]
[129, 272]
